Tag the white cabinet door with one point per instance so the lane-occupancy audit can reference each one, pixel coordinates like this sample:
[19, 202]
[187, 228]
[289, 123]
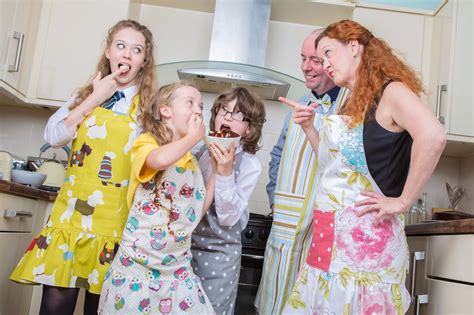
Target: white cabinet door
[14, 298]
[404, 32]
[72, 39]
[449, 298]
[461, 102]
[16, 20]
[7, 16]
[416, 282]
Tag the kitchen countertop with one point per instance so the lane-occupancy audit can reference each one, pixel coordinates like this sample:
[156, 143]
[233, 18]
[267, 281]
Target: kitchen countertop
[464, 226]
[25, 191]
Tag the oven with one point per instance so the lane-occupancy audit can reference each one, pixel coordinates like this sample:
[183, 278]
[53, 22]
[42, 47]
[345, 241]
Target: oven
[254, 239]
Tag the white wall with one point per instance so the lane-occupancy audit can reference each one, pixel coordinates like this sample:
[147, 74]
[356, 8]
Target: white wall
[466, 179]
[188, 33]
[21, 131]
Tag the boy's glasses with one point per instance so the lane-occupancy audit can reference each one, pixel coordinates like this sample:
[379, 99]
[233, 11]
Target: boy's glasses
[239, 116]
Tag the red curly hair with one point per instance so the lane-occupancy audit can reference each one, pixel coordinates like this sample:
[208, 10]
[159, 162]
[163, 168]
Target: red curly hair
[378, 65]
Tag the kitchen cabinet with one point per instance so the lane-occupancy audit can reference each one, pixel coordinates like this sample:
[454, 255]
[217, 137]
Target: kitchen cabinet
[69, 46]
[452, 72]
[451, 274]
[441, 274]
[406, 33]
[18, 22]
[416, 283]
[64, 43]
[16, 232]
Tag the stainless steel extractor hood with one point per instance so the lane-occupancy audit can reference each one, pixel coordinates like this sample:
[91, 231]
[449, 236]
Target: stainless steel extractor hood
[239, 36]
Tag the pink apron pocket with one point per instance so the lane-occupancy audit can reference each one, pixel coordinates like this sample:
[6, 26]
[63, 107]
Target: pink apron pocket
[321, 248]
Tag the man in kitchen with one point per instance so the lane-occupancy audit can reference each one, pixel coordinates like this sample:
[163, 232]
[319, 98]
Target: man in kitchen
[292, 173]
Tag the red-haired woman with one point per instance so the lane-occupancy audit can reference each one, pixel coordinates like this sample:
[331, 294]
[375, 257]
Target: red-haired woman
[374, 158]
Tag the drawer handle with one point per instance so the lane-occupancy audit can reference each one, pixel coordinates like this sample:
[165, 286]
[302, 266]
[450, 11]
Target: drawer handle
[416, 257]
[253, 256]
[17, 214]
[420, 299]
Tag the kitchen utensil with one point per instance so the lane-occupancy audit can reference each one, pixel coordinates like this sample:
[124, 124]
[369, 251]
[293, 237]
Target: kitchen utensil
[32, 179]
[5, 165]
[53, 168]
[455, 195]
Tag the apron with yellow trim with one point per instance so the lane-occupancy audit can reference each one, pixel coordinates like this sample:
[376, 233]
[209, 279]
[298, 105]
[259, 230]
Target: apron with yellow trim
[355, 265]
[79, 241]
[290, 235]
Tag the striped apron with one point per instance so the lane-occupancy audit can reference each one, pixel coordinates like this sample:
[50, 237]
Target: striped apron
[290, 235]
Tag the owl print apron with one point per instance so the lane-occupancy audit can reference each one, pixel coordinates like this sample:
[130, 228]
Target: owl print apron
[77, 245]
[151, 273]
[355, 265]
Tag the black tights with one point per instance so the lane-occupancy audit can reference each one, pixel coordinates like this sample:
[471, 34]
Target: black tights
[62, 301]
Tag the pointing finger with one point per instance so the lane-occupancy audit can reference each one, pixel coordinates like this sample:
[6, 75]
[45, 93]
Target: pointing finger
[288, 102]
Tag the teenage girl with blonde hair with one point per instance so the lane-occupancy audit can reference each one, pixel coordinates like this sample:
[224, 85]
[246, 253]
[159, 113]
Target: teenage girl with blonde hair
[78, 243]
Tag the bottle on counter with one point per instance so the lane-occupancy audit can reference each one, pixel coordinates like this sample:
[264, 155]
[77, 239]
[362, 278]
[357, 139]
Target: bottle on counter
[423, 214]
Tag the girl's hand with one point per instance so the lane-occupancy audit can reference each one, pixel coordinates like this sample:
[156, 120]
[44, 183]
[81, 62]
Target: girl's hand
[381, 204]
[104, 88]
[224, 158]
[196, 128]
[302, 115]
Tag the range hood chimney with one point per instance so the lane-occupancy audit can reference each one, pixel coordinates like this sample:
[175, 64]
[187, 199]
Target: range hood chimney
[239, 36]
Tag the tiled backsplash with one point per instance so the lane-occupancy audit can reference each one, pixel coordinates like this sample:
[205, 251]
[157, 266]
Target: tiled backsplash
[21, 133]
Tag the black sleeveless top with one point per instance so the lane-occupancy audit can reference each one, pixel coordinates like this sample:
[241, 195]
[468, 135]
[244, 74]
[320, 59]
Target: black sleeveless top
[387, 154]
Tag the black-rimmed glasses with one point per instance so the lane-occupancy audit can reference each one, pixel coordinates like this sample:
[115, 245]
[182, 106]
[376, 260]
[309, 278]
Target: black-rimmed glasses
[239, 116]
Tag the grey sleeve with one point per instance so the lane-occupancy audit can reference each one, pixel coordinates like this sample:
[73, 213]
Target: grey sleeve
[274, 164]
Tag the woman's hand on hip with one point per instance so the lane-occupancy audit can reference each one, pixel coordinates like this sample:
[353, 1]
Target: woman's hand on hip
[380, 204]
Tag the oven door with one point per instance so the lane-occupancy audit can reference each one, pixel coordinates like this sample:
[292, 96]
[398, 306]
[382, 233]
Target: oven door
[250, 274]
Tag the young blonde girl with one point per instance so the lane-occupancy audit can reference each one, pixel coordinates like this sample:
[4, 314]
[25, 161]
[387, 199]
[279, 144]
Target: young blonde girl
[216, 241]
[151, 272]
[78, 243]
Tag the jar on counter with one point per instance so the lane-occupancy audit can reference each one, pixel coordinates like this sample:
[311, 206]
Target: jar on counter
[5, 165]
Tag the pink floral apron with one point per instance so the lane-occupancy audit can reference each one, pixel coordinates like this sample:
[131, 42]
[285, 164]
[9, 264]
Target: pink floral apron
[355, 265]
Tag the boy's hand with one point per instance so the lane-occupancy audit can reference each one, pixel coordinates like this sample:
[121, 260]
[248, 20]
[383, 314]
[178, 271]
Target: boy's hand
[223, 157]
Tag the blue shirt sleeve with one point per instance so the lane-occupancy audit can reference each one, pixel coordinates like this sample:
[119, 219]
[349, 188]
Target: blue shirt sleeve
[274, 164]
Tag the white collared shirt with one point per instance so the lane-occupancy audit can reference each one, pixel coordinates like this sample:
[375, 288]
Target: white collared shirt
[233, 192]
[57, 134]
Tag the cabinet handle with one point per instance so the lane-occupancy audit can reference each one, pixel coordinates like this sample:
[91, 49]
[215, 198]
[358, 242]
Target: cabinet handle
[256, 257]
[17, 214]
[19, 48]
[441, 88]
[416, 257]
[420, 299]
